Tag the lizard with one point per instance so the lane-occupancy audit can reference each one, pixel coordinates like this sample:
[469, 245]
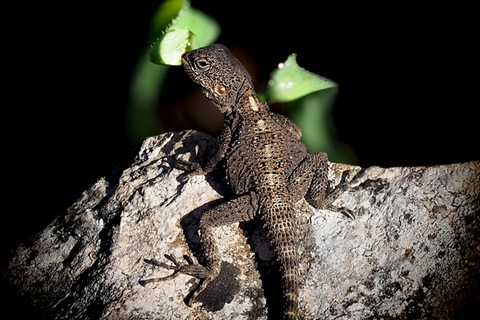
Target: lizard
[267, 167]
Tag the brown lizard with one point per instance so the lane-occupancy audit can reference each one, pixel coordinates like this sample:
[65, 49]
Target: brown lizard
[267, 167]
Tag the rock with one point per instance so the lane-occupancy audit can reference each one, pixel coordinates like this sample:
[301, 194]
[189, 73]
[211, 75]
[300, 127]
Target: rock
[412, 252]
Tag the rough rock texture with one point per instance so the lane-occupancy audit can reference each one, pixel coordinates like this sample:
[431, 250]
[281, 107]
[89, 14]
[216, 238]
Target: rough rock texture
[412, 252]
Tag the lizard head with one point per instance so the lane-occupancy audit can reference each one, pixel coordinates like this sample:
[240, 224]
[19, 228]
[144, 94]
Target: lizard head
[221, 77]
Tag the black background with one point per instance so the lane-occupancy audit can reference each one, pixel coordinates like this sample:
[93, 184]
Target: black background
[408, 77]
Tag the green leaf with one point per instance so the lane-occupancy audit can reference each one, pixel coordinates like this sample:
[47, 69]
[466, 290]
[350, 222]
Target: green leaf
[290, 82]
[189, 29]
[167, 11]
[172, 45]
[172, 17]
[308, 103]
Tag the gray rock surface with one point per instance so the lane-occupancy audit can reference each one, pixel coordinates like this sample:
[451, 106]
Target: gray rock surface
[412, 252]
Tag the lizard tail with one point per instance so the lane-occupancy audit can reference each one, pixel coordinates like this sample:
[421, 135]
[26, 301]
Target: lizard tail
[279, 220]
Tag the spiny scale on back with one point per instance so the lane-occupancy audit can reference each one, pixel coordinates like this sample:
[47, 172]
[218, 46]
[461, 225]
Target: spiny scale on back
[268, 168]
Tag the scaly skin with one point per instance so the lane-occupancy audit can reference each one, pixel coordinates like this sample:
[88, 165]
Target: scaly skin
[268, 168]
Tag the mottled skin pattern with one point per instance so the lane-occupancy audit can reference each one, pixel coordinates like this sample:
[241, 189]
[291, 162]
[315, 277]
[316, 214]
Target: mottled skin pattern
[268, 168]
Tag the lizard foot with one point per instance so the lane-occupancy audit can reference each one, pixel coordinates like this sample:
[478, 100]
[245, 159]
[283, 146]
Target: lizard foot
[346, 212]
[327, 203]
[191, 169]
[191, 269]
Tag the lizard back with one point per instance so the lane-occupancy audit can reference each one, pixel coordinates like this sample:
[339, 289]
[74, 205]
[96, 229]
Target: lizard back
[262, 154]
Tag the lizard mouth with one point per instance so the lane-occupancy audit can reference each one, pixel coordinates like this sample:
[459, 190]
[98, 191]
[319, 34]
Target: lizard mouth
[187, 65]
[184, 58]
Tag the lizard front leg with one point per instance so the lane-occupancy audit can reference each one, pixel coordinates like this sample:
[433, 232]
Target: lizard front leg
[194, 168]
[240, 209]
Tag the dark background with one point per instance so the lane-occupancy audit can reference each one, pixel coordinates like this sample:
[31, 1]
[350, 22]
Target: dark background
[408, 76]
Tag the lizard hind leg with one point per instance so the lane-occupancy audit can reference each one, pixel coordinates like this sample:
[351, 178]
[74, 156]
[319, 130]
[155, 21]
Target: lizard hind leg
[239, 209]
[309, 180]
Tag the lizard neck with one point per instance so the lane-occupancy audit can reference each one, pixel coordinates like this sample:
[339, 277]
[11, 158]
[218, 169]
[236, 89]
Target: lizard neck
[248, 107]
[249, 104]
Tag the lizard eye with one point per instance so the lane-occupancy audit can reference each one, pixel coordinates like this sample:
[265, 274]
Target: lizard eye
[202, 65]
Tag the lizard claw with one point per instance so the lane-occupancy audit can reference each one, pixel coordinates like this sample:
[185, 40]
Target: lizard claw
[190, 269]
[348, 213]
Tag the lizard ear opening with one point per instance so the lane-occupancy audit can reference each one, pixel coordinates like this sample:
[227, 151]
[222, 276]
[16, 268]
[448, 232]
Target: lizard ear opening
[220, 90]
